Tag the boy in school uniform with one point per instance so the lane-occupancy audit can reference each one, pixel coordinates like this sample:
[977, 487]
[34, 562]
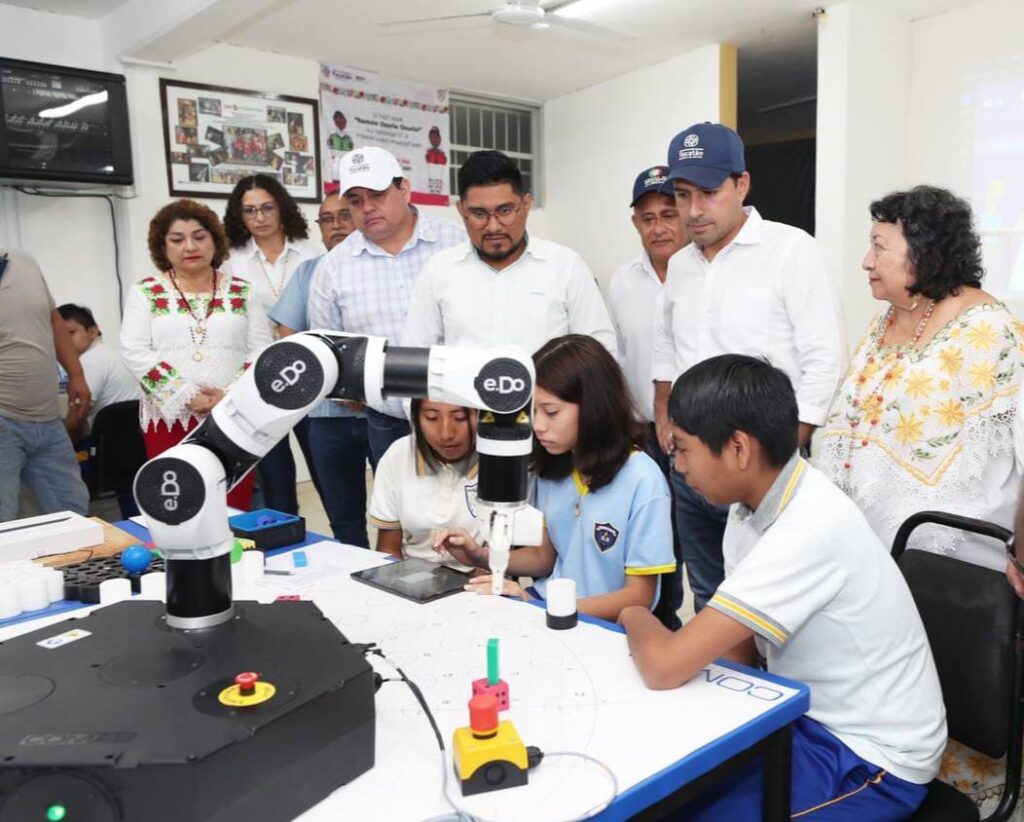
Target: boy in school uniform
[810, 587]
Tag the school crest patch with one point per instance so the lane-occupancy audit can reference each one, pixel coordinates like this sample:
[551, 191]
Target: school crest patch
[605, 535]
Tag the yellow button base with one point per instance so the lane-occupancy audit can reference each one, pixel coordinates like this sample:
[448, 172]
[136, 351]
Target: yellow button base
[233, 697]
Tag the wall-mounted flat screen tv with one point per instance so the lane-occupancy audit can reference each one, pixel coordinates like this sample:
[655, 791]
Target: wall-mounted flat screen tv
[61, 124]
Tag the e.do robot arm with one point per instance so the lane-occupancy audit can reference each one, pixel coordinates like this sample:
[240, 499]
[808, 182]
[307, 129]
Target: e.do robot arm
[182, 493]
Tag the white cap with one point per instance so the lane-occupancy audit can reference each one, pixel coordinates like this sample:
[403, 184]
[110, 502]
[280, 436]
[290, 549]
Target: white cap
[370, 167]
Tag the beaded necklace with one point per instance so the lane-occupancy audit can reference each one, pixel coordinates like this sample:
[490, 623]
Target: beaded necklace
[197, 334]
[275, 289]
[870, 403]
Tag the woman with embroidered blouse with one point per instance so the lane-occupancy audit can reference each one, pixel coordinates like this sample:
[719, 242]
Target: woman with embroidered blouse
[924, 418]
[189, 330]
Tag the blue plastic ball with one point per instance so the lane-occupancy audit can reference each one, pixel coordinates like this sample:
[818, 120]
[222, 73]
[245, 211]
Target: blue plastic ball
[135, 559]
[265, 519]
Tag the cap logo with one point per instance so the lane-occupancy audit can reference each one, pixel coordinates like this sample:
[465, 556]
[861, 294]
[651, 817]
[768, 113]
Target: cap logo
[691, 140]
[654, 172]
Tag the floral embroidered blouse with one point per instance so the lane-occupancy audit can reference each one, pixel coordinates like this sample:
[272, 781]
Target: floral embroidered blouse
[163, 346]
[932, 429]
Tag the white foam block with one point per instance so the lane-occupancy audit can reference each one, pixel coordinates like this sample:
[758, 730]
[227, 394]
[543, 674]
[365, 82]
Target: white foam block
[47, 535]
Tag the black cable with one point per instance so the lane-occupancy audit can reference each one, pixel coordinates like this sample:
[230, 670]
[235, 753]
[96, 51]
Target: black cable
[34, 192]
[416, 692]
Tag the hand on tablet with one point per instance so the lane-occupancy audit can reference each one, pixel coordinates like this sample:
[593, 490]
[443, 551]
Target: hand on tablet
[460, 545]
[482, 585]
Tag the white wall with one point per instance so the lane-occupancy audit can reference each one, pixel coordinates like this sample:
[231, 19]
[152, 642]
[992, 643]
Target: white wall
[861, 140]
[953, 126]
[598, 139]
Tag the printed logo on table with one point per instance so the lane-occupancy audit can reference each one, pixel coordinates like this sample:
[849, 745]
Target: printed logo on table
[605, 536]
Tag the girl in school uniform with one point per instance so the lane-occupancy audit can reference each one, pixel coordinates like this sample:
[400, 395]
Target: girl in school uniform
[605, 502]
[426, 481]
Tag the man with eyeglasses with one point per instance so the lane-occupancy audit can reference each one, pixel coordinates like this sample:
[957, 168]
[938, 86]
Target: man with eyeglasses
[503, 287]
[363, 285]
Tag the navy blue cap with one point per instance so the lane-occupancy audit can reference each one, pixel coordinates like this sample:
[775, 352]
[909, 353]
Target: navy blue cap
[705, 154]
[651, 179]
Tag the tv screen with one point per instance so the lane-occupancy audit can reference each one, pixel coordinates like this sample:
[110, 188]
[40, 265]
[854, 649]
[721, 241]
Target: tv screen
[63, 124]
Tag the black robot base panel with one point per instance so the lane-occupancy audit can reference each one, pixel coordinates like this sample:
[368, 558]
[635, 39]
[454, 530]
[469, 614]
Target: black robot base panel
[116, 717]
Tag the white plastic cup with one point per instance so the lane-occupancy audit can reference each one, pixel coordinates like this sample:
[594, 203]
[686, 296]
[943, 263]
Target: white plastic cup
[153, 586]
[10, 605]
[561, 603]
[115, 590]
[54, 584]
[252, 566]
[32, 592]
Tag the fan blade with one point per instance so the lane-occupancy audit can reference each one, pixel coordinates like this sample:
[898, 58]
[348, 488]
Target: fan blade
[435, 19]
[583, 27]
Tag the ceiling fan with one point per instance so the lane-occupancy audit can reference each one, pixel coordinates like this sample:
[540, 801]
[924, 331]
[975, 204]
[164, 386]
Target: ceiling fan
[535, 16]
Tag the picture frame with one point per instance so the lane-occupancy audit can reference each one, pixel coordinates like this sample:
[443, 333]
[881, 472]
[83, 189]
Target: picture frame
[216, 135]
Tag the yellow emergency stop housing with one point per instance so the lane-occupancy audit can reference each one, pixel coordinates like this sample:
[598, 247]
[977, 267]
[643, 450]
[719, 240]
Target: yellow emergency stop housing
[489, 763]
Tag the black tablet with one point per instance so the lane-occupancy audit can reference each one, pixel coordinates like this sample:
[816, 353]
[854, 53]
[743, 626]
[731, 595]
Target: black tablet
[417, 579]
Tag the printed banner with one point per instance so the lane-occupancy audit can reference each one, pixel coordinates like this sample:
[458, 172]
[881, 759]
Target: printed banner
[360, 108]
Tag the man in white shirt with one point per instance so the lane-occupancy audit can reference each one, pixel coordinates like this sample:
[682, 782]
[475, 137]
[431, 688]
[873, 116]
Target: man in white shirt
[744, 285]
[503, 287]
[363, 285]
[811, 588]
[632, 301]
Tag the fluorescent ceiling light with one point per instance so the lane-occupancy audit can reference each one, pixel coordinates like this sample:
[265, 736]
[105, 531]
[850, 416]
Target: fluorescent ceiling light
[75, 105]
[582, 8]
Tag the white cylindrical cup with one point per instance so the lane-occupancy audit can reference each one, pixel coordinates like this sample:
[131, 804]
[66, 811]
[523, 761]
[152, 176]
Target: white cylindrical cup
[10, 605]
[252, 566]
[561, 603]
[153, 586]
[54, 584]
[32, 592]
[115, 590]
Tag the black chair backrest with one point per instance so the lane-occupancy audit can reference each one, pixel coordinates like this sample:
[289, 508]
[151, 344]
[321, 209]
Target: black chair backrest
[972, 618]
[118, 448]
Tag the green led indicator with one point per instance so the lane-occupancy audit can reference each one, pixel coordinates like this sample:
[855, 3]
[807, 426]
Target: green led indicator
[55, 813]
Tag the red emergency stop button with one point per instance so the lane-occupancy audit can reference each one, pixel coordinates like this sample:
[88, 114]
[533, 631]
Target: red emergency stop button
[246, 682]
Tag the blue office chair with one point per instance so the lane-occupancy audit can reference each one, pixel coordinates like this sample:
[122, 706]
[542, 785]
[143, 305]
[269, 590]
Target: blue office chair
[974, 624]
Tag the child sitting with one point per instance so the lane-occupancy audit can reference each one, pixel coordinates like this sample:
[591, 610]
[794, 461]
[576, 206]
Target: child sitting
[605, 503]
[809, 583]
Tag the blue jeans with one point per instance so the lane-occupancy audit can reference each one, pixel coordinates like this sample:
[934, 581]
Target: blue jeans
[340, 449]
[383, 430]
[41, 455]
[699, 529]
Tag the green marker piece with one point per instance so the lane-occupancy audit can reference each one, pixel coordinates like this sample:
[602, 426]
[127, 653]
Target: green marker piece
[492, 661]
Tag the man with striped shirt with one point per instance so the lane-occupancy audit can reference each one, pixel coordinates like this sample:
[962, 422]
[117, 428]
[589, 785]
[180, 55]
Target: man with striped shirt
[363, 286]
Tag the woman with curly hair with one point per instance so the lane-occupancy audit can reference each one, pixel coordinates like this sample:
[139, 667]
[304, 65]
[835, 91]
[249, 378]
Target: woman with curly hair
[190, 329]
[924, 418]
[269, 240]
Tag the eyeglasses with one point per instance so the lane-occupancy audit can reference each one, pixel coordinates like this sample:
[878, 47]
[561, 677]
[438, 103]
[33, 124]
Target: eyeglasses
[505, 214]
[266, 210]
[330, 219]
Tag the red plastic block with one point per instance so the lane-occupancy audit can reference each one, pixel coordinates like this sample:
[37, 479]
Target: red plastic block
[499, 691]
